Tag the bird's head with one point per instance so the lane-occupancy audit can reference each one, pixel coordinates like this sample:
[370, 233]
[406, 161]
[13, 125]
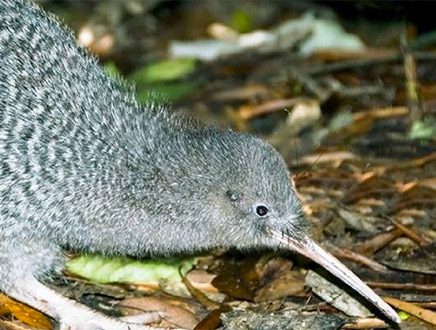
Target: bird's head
[251, 203]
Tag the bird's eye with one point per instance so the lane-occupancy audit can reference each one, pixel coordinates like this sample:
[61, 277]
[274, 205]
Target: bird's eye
[234, 196]
[261, 210]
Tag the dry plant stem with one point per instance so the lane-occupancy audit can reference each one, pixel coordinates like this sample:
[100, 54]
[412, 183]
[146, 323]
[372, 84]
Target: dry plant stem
[244, 93]
[418, 202]
[417, 162]
[410, 233]
[358, 258]
[354, 92]
[310, 84]
[366, 323]
[323, 69]
[249, 112]
[428, 305]
[421, 313]
[13, 325]
[378, 242]
[365, 63]
[403, 286]
[351, 198]
[381, 113]
[331, 55]
[412, 84]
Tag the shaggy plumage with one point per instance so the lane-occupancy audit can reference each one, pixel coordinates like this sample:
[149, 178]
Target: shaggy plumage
[84, 168]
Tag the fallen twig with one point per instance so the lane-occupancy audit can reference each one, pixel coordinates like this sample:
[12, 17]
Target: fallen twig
[358, 258]
[411, 233]
[402, 286]
[378, 242]
[366, 323]
[413, 309]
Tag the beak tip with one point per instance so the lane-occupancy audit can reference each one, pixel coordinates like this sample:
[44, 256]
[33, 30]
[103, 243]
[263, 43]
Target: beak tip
[310, 249]
[395, 317]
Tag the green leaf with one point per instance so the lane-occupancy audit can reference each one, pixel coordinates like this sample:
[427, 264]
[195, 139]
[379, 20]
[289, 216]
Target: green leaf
[423, 129]
[126, 270]
[403, 315]
[242, 21]
[341, 120]
[165, 70]
[165, 92]
[112, 70]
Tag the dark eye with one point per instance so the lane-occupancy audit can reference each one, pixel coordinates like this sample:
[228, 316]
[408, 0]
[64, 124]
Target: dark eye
[234, 196]
[261, 210]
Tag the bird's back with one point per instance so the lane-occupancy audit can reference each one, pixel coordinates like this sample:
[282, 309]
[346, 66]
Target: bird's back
[64, 124]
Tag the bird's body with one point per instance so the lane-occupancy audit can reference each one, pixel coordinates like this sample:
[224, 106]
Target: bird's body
[83, 167]
[75, 145]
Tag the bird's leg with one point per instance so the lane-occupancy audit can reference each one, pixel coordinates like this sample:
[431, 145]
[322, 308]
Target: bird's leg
[71, 315]
[143, 318]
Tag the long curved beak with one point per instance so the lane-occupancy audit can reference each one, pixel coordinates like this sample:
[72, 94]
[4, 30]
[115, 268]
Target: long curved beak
[310, 249]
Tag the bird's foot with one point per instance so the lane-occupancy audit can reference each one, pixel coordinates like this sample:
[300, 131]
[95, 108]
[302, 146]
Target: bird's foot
[87, 319]
[72, 315]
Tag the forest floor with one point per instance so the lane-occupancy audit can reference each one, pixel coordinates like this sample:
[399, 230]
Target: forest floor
[357, 128]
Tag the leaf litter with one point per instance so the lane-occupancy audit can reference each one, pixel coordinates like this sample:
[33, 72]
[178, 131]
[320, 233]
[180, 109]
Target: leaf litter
[355, 128]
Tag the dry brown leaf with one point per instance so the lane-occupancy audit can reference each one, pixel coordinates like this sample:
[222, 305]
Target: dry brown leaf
[198, 295]
[202, 280]
[25, 314]
[212, 320]
[169, 309]
[277, 280]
